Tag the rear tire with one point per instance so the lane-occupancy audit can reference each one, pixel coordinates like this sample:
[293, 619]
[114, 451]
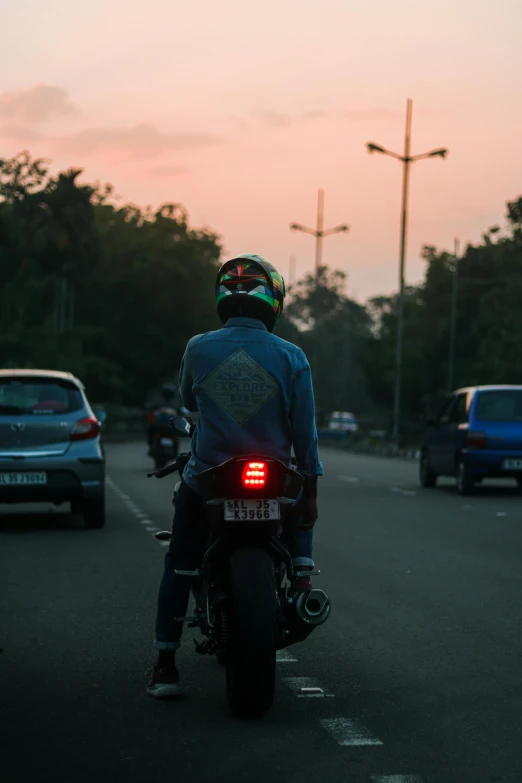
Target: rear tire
[251, 659]
[94, 513]
[428, 478]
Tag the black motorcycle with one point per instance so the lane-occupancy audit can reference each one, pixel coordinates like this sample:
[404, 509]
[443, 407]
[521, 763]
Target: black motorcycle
[244, 605]
[163, 441]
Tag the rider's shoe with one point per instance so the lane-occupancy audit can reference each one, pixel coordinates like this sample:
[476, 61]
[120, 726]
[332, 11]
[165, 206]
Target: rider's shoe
[164, 682]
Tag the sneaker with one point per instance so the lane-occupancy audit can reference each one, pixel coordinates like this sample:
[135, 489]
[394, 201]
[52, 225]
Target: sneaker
[164, 683]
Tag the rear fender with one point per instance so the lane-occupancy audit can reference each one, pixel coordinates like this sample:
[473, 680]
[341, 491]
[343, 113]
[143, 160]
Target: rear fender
[225, 480]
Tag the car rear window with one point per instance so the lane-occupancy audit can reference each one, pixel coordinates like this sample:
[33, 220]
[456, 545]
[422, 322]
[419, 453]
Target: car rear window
[505, 405]
[38, 396]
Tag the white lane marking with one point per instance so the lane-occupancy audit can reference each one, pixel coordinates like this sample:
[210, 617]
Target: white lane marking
[348, 732]
[348, 479]
[282, 656]
[395, 779]
[297, 684]
[410, 493]
[501, 514]
[148, 524]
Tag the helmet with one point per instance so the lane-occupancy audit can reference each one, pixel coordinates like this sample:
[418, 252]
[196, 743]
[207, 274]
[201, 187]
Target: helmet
[168, 391]
[251, 286]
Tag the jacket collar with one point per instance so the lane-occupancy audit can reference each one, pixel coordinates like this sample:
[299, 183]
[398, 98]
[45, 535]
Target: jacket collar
[249, 323]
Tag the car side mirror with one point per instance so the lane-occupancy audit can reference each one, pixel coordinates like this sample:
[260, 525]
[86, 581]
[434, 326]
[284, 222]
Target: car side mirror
[182, 425]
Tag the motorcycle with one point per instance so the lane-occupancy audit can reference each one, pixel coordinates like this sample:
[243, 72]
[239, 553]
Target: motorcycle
[164, 442]
[244, 605]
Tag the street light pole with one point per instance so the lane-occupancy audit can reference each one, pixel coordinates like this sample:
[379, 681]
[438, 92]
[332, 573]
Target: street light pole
[291, 271]
[453, 327]
[319, 233]
[407, 159]
[400, 314]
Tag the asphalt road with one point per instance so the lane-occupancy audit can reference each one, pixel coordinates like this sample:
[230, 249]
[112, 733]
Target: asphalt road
[422, 654]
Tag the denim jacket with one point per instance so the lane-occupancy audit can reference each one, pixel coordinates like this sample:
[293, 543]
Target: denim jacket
[254, 395]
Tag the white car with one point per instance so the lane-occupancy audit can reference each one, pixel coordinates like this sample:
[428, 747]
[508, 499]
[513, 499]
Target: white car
[342, 421]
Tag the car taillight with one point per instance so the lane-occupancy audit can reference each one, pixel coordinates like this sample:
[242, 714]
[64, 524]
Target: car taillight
[85, 429]
[254, 475]
[475, 440]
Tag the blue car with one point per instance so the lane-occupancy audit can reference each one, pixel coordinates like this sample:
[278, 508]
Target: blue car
[477, 435]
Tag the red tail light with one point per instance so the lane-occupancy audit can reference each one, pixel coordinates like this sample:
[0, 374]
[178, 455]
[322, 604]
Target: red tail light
[475, 440]
[85, 429]
[255, 475]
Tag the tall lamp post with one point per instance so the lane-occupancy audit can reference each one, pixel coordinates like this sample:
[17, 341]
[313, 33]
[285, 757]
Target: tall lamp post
[319, 233]
[407, 159]
[453, 326]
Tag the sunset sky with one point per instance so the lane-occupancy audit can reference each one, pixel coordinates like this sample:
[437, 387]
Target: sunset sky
[242, 109]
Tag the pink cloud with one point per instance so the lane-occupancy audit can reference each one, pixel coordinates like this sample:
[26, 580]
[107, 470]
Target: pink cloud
[36, 104]
[143, 140]
[19, 133]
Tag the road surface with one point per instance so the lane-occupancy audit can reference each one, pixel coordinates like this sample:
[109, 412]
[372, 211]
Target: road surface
[422, 654]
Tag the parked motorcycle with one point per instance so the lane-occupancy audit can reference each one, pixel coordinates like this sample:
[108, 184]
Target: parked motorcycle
[244, 605]
[164, 441]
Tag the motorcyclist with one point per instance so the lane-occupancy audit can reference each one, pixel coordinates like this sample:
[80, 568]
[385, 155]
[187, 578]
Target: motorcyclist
[165, 399]
[253, 393]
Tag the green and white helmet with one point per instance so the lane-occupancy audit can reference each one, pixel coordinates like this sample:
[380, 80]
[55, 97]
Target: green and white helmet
[250, 285]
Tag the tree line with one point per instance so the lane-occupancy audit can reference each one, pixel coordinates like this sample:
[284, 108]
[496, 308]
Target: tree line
[113, 293]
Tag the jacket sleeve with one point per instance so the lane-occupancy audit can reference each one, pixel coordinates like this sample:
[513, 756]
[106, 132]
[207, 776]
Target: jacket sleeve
[302, 421]
[186, 381]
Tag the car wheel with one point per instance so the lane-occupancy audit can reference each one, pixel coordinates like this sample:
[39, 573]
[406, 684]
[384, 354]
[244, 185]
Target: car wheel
[94, 513]
[465, 483]
[428, 478]
[519, 482]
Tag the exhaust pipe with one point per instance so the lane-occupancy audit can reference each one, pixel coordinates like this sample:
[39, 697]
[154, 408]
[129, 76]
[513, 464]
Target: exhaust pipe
[313, 607]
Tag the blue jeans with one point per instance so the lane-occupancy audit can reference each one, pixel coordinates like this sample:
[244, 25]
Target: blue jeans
[185, 553]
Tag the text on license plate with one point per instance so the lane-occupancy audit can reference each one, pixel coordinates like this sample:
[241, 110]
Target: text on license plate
[512, 464]
[15, 479]
[256, 510]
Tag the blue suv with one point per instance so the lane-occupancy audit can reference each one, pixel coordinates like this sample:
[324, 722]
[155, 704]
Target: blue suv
[477, 435]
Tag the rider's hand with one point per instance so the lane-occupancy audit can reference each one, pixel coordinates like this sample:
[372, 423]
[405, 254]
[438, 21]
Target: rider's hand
[309, 513]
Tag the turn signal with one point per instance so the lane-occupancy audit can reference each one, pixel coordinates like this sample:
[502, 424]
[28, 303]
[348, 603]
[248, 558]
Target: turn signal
[254, 475]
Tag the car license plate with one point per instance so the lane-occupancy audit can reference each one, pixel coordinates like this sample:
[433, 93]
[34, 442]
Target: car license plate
[256, 510]
[167, 442]
[15, 479]
[512, 464]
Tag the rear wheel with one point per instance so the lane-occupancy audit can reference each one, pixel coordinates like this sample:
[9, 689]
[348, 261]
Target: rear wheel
[465, 483]
[93, 510]
[428, 478]
[251, 658]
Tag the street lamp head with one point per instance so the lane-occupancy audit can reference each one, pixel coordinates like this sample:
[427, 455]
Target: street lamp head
[371, 147]
[439, 153]
[294, 227]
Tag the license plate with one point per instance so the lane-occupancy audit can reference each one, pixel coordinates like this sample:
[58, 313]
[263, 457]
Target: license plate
[256, 510]
[167, 442]
[512, 464]
[15, 479]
